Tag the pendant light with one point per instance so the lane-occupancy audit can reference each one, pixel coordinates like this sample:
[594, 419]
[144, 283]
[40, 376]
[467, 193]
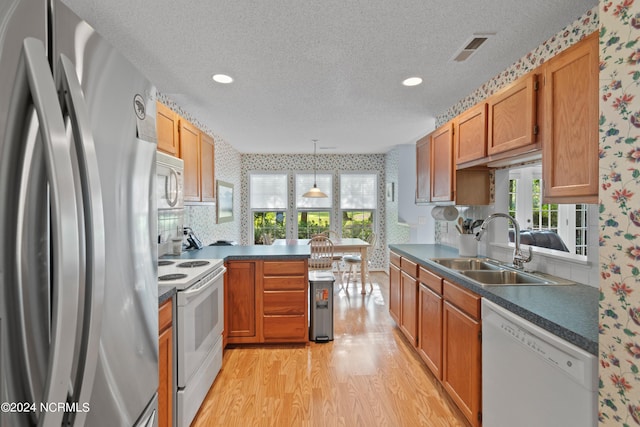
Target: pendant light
[314, 192]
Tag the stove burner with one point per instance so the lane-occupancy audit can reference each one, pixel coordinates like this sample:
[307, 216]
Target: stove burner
[175, 276]
[190, 264]
[165, 262]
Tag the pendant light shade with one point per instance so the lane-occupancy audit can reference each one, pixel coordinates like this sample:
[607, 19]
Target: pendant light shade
[314, 192]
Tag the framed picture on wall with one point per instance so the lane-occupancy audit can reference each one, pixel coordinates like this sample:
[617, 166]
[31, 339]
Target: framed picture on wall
[224, 203]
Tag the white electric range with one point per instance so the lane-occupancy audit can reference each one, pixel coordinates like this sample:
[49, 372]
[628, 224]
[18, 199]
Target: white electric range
[199, 324]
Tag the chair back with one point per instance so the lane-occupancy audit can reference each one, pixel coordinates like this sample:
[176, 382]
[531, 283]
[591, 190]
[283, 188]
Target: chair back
[321, 253]
[266, 239]
[371, 240]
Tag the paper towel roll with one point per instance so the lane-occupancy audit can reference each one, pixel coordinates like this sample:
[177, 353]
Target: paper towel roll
[444, 213]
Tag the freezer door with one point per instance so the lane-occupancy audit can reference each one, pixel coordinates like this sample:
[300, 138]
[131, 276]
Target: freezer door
[121, 111]
[39, 225]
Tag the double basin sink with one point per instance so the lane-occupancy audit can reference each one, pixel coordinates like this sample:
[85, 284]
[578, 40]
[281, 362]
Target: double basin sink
[489, 272]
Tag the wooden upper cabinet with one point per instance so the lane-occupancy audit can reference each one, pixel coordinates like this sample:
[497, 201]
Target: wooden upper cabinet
[441, 171]
[167, 130]
[423, 179]
[207, 168]
[471, 134]
[570, 144]
[512, 116]
[190, 155]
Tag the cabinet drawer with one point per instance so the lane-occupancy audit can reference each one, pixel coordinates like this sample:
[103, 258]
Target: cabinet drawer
[284, 268]
[285, 328]
[433, 281]
[465, 300]
[409, 267]
[284, 283]
[395, 259]
[290, 303]
[165, 315]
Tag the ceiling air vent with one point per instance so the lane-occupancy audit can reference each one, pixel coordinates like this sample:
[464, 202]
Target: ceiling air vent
[471, 46]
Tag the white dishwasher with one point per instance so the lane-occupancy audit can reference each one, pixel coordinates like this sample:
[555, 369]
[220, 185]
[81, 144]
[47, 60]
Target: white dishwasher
[532, 378]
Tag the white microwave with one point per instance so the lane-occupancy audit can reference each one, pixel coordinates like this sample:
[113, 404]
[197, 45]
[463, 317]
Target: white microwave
[169, 181]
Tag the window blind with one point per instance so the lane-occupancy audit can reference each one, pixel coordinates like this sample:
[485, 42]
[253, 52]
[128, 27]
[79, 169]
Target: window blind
[358, 191]
[268, 191]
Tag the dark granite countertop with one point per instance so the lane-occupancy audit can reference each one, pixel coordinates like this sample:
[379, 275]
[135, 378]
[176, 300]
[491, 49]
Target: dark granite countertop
[255, 252]
[165, 292]
[570, 312]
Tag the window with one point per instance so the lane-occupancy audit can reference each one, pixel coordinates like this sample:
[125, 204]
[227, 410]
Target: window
[569, 222]
[358, 201]
[314, 215]
[268, 195]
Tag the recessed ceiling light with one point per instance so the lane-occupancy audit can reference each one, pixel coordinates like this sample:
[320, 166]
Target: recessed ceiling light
[412, 81]
[222, 78]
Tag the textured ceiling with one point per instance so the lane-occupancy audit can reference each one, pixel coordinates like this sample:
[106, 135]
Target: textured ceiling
[328, 70]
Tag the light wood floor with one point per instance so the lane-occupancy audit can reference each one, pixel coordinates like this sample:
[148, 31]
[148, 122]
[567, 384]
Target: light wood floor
[367, 376]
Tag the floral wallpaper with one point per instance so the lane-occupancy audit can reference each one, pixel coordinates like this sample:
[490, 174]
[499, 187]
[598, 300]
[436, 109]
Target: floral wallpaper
[619, 346]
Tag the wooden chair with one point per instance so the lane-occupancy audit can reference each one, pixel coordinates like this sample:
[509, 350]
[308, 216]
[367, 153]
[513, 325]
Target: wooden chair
[266, 239]
[337, 258]
[355, 260]
[321, 253]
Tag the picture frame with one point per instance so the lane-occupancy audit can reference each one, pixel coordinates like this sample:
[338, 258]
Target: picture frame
[224, 203]
[391, 191]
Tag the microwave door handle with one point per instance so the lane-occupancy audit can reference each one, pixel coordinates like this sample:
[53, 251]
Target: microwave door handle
[173, 177]
[64, 225]
[75, 106]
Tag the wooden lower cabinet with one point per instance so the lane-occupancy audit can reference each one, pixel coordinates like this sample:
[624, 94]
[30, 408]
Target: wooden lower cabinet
[394, 287]
[430, 330]
[285, 301]
[165, 364]
[409, 307]
[266, 302]
[240, 304]
[462, 351]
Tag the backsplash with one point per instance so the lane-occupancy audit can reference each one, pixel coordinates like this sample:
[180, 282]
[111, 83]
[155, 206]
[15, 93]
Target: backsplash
[169, 226]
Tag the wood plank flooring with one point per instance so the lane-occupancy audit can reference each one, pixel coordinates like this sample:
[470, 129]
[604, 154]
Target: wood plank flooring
[368, 376]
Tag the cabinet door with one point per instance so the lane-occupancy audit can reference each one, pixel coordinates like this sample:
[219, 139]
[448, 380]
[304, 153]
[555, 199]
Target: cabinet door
[394, 293]
[430, 330]
[570, 146]
[167, 130]
[165, 379]
[409, 307]
[462, 361]
[512, 116]
[442, 164]
[165, 365]
[207, 168]
[241, 303]
[471, 134]
[423, 179]
[190, 154]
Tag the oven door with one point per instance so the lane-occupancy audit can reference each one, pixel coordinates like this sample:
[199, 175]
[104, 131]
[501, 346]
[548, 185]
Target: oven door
[200, 323]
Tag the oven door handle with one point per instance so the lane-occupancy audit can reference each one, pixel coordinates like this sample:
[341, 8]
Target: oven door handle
[195, 291]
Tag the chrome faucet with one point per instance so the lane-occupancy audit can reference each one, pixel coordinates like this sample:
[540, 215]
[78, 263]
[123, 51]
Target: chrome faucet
[518, 256]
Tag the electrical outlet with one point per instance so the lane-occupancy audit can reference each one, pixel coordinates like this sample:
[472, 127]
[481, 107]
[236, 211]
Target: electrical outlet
[422, 220]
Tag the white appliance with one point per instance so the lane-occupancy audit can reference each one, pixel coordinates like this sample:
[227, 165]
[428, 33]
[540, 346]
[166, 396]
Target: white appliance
[199, 327]
[169, 181]
[532, 378]
[78, 251]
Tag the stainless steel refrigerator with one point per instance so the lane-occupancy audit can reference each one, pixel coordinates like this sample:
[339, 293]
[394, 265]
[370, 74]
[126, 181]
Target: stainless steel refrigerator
[78, 290]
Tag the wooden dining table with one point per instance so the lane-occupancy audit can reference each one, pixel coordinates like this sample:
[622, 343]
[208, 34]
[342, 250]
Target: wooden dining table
[345, 245]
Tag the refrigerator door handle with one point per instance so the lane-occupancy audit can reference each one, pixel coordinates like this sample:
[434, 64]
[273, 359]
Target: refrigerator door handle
[73, 104]
[64, 226]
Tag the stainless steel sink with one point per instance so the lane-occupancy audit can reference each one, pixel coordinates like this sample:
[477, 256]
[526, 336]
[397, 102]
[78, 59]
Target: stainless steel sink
[505, 277]
[489, 272]
[467, 264]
